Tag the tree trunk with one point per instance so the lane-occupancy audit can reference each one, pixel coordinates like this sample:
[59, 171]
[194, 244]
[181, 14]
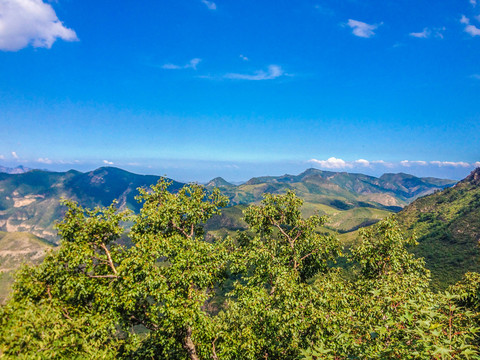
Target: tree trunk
[189, 345]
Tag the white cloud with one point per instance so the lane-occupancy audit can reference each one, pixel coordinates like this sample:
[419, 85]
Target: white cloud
[108, 162]
[473, 2]
[362, 29]
[210, 4]
[192, 64]
[409, 163]
[362, 162]
[2, 157]
[383, 163]
[243, 57]
[44, 160]
[331, 163]
[273, 72]
[450, 163]
[424, 34]
[476, 164]
[30, 22]
[464, 20]
[14, 154]
[470, 29]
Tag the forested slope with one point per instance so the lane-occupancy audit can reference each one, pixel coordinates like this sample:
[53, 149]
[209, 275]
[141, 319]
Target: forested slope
[447, 224]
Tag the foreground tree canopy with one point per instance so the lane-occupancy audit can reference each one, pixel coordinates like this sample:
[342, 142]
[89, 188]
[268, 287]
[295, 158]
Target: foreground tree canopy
[161, 291]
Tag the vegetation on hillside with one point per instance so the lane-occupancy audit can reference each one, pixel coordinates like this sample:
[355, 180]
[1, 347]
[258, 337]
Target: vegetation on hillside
[270, 292]
[447, 224]
[17, 249]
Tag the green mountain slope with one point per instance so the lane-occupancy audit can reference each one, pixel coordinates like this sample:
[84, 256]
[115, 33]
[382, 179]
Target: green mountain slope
[448, 226]
[340, 190]
[29, 202]
[17, 249]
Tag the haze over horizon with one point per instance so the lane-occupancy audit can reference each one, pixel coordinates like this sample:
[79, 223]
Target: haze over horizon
[198, 89]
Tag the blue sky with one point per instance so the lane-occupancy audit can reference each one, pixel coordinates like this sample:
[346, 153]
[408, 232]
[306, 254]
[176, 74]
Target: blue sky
[194, 89]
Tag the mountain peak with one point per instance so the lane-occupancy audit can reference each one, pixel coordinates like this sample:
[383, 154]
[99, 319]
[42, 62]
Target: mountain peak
[219, 181]
[473, 178]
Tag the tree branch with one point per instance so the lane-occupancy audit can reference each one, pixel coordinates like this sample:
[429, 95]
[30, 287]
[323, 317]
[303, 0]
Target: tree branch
[103, 276]
[313, 252]
[110, 262]
[281, 230]
[180, 229]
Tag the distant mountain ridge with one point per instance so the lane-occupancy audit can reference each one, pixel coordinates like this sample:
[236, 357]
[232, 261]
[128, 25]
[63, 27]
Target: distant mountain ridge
[29, 201]
[16, 170]
[390, 190]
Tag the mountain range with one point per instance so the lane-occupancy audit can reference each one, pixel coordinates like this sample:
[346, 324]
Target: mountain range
[29, 201]
[445, 215]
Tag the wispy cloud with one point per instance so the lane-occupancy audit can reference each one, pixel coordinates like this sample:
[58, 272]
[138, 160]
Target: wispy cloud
[210, 4]
[473, 3]
[106, 162]
[192, 64]
[243, 57]
[14, 155]
[475, 76]
[451, 163]
[362, 29]
[2, 157]
[469, 28]
[476, 164]
[424, 34]
[30, 22]
[44, 161]
[273, 72]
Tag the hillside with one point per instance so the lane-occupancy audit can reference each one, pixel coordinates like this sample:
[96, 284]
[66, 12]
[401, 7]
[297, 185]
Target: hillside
[29, 202]
[448, 226]
[15, 250]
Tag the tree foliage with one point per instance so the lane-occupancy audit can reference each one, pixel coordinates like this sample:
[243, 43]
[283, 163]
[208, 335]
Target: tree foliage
[272, 292]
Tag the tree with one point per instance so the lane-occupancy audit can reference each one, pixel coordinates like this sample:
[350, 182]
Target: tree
[145, 301]
[274, 311]
[152, 291]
